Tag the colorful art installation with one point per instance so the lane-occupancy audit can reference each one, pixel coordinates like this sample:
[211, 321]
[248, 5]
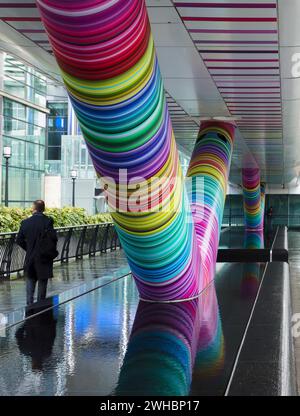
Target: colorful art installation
[208, 173]
[107, 58]
[210, 356]
[254, 199]
[252, 272]
[165, 342]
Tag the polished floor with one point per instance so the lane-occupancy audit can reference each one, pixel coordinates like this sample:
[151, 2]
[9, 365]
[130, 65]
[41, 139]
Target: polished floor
[235, 237]
[107, 343]
[76, 273]
[67, 276]
[294, 263]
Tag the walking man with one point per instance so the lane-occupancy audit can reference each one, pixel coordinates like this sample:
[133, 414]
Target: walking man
[38, 238]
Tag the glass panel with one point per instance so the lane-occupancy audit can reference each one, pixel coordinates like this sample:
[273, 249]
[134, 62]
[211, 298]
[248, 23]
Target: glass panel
[17, 151]
[33, 156]
[233, 211]
[23, 81]
[279, 203]
[53, 167]
[40, 99]
[14, 87]
[54, 139]
[36, 117]
[14, 110]
[57, 126]
[294, 210]
[24, 129]
[14, 128]
[58, 108]
[33, 185]
[36, 134]
[54, 152]
[16, 182]
[40, 84]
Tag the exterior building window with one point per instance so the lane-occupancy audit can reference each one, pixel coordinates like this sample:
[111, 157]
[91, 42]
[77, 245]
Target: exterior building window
[24, 130]
[24, 82]
[57, 126]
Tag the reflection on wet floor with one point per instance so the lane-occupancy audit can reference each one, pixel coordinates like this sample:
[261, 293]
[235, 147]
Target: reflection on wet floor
[109, 265]
[66, 276]
[107, 343]
[165, 343]
[234, 237]
[294, 264]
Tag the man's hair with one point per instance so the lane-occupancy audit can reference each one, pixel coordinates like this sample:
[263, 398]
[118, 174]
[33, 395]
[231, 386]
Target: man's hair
[39, 205]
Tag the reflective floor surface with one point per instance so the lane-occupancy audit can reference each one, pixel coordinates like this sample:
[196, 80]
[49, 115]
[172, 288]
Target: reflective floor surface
[294, 263]
[75, 273]
[106, 342]
[66, 276]
[236, 237]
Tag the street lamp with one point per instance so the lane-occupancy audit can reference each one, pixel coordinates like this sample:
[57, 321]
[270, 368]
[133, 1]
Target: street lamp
[74, 175]
[7, 156]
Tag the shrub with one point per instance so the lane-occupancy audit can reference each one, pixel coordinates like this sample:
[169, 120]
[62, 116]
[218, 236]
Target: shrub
[67, 216]
[100, 218]
[10, 218]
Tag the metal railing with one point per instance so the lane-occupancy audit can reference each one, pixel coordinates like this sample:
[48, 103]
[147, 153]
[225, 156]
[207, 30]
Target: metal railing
[73, 242]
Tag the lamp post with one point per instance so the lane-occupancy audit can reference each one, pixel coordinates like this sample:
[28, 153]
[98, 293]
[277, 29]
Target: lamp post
[74, 177]
[7, 156]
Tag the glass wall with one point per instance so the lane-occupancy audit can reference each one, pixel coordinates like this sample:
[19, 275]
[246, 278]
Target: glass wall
[76, 156]
[24, 130]
[286, 210]
[233, 211]
[23, 81]
[57, 126]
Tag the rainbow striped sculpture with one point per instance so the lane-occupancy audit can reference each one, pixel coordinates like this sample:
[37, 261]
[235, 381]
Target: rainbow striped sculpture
[254, 199]
[165, 341]
[208, 171]
[252, 272]
[161, 350]
[209, 360]
[106, 54]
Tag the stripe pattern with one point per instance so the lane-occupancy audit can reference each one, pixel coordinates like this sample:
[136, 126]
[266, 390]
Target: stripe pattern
[238, 42]
[254, 199]
[106, 54]
[169, 344]
[207, 188]
[252, 271]
[24, 17]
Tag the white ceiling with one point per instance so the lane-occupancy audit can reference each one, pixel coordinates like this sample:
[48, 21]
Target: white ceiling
[206, 89]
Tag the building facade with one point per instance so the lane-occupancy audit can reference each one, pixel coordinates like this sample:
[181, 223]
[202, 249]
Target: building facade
[23, 112]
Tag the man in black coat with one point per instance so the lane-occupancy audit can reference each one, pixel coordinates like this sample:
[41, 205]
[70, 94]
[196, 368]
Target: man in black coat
[28, 238]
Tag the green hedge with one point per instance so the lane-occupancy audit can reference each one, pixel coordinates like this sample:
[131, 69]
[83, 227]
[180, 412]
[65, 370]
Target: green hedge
[10, 218]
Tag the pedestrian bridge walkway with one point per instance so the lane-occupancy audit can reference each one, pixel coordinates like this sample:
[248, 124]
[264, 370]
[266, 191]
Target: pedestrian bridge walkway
[70, 280]
[93, 336]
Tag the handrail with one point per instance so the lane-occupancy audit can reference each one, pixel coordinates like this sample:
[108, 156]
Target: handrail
[63, 228]
[73, 242]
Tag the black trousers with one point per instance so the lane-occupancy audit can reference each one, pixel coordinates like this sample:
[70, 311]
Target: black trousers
[30, 289]
[32, 277]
